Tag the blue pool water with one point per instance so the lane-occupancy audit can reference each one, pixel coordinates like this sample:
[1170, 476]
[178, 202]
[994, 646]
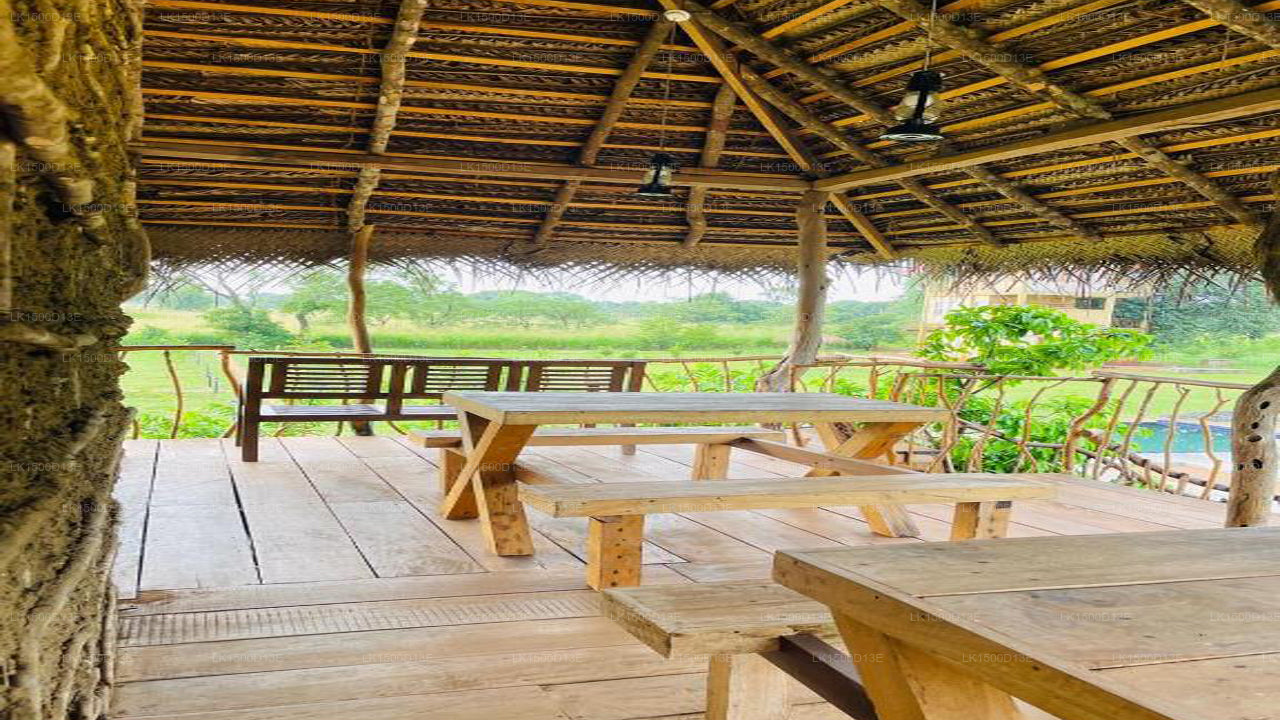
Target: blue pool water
[1188, 437]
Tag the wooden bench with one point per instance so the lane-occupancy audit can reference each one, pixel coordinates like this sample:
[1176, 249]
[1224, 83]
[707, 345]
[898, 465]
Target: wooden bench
[754, 634]
[710, 459]
[368, 388]
[373, 388]
[616, 510]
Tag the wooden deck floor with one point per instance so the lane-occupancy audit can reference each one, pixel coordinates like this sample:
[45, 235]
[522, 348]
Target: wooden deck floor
[320, 583]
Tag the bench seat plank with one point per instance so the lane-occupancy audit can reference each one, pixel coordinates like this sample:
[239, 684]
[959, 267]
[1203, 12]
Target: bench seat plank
[640, 498]
[549, 436]
[715, 618]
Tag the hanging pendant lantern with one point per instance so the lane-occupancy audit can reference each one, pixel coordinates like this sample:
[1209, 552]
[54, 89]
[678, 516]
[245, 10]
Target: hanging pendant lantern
[918, 110]
[657, 179]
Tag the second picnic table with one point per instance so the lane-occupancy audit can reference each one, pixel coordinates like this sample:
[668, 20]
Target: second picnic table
[496, 426]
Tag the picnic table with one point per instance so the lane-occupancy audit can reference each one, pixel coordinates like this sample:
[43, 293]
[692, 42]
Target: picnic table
[496, 426]
[1181, 625]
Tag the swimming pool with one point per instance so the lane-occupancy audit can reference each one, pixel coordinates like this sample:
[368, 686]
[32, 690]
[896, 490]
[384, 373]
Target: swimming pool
[1188, 437]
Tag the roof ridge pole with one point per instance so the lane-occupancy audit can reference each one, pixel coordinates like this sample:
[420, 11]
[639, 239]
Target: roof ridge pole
[976, 47]
[733, 74]
[613, 109]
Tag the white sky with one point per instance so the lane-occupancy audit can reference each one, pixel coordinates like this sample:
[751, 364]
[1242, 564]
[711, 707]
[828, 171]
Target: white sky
[866, 286]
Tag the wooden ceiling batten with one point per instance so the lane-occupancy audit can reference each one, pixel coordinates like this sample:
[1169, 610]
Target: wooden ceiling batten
[785, 59]
[590, 153]
[1240, 18]
[1033, 79]
[1201, 113]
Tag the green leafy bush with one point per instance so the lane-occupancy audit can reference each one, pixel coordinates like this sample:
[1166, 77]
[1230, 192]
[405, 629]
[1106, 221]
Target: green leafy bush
[1029, 340]
[250, 329]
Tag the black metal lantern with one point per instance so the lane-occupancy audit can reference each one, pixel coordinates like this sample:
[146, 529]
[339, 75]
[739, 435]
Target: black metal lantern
[918, 110]
[657, 179]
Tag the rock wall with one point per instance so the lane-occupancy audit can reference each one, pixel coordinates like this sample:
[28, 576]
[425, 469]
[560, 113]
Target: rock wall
[70, 251]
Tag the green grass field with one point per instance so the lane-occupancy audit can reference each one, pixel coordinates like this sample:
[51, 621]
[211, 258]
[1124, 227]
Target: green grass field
[208, 398]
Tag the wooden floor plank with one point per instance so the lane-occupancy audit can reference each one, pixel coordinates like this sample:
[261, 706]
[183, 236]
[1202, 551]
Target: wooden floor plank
[416, 481]
[192, 472]
[398, 540]
[190, 546]
[375, 446]
[280, 506]
[513, 703]
[352, 617]
[421, 678]
[374, 590]
[133, 492]
[337, 474]
[228, 657]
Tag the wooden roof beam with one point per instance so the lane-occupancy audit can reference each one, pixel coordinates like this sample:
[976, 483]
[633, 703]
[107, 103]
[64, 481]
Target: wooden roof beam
[1032, 79]
[390, 95]
[737, 77]
[1241, 18]
[1183, 116]
[811, 122]
[613, 110]
[712, 149]
[481, 167]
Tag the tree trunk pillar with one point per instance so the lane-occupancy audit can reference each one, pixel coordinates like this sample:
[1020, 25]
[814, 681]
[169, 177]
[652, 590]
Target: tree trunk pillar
[1253, 454]
[806, 338]
[356, 308]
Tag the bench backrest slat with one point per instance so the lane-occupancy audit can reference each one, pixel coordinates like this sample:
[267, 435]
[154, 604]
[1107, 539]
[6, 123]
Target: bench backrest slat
[370, 379]
[582, 375]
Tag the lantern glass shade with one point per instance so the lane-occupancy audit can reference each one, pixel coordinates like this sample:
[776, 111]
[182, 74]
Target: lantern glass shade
[918, 110]
[657, 179]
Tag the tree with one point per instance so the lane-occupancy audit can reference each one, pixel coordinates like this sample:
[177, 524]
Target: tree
[323, 291]
[1214, 310]
[253, 329]
[1029, 340]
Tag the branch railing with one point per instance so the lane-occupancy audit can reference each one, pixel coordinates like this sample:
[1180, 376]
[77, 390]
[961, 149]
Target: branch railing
[1165, 433]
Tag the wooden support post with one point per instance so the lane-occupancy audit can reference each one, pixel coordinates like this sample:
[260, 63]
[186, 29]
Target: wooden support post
[981, 520]
[1253, 452]
[806, 338]
[746, 687]
[1253, 424]
[614, 551]
[711, 462]
[355, 282]
[356, 307]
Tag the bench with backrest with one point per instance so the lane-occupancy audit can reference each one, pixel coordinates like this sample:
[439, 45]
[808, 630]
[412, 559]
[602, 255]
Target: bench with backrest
[753, 634]
[363, 389]
[616, 511]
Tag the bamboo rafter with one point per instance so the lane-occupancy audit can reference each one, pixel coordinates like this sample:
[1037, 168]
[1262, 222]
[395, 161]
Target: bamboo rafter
[590, 151]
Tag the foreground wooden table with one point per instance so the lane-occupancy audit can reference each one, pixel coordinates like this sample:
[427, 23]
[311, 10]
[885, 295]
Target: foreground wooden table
[497, 425]
[1180, 625]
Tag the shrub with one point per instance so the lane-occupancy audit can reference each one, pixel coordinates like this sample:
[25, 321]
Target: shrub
[250, 329]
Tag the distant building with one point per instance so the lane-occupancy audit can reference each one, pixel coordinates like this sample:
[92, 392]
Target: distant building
[1076, 299]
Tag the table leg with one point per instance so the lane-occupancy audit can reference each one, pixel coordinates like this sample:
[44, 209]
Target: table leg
[711, 462]
[978, 520]
[868, 443]
[486, 487]
[906, 683]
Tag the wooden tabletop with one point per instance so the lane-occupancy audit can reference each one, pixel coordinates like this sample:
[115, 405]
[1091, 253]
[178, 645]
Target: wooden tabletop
[538, 408]
[1181, 625]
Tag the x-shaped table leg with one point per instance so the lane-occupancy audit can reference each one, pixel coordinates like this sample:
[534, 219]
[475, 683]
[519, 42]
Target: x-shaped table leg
[487, 488]
[871, 442]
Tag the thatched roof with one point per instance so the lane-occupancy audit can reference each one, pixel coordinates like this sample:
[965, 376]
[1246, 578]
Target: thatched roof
[1108, 134]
